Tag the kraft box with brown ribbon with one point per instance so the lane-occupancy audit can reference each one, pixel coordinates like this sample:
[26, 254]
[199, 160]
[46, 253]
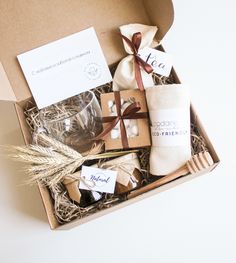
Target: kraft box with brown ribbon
[124, 30]
[125, 120]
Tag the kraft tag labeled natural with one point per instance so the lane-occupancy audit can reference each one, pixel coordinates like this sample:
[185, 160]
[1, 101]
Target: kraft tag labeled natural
[96, 179]
[161, 62]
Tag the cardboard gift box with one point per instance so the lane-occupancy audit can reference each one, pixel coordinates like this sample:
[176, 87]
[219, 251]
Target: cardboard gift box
[139, 120]
[25, 25]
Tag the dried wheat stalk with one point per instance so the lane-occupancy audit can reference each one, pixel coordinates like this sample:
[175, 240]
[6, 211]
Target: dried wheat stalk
[50, 161]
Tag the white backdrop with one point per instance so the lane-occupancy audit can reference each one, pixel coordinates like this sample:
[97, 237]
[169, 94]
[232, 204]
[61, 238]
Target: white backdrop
[194, 222]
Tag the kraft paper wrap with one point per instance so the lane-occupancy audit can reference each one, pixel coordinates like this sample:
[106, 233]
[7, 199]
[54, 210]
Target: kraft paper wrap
[166, 159]
[125, 165]
[124, 77]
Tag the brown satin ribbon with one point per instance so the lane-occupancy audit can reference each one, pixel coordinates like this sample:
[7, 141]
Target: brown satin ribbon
[131, 112]
[138, 62]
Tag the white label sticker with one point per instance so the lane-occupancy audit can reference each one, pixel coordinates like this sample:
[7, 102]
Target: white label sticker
[96, 179]
[170, 127]
[161, 62]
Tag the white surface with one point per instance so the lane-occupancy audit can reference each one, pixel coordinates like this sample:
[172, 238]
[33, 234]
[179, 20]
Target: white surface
[194, 222]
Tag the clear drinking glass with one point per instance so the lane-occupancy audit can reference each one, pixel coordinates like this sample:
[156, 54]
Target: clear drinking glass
[75, 121]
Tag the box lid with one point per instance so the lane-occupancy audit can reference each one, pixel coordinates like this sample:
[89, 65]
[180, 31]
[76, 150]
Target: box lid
[25, 25]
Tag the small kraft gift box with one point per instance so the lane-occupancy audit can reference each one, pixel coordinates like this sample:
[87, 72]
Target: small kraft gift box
[125, 120]
[25, 25]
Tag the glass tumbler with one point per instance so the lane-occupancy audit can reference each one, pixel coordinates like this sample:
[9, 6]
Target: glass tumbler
[75, 121]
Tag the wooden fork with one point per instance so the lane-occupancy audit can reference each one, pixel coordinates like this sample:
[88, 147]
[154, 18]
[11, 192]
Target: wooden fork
[196, 164]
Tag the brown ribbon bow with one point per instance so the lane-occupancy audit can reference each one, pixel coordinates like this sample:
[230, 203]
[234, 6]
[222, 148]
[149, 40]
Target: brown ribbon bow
[138, 62]
[131, 112]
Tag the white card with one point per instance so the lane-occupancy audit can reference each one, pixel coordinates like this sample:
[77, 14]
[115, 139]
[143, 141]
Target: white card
[64, 68]
[96, 179]
[161, 62]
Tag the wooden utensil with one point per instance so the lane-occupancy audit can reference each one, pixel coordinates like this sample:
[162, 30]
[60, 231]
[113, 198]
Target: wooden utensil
[196, 164]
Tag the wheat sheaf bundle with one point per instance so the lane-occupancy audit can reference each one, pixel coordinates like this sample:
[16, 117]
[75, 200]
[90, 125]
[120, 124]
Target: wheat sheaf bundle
[50, 161]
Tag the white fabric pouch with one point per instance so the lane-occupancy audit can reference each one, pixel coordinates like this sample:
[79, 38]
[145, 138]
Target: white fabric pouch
[124, 77]
[169, 111]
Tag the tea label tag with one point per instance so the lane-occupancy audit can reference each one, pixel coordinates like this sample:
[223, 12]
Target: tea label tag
[96, 179]
[161, 62]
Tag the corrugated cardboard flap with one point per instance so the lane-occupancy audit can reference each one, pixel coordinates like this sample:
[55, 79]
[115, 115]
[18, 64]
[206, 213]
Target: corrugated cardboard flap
[25, 25]
[6, 92]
